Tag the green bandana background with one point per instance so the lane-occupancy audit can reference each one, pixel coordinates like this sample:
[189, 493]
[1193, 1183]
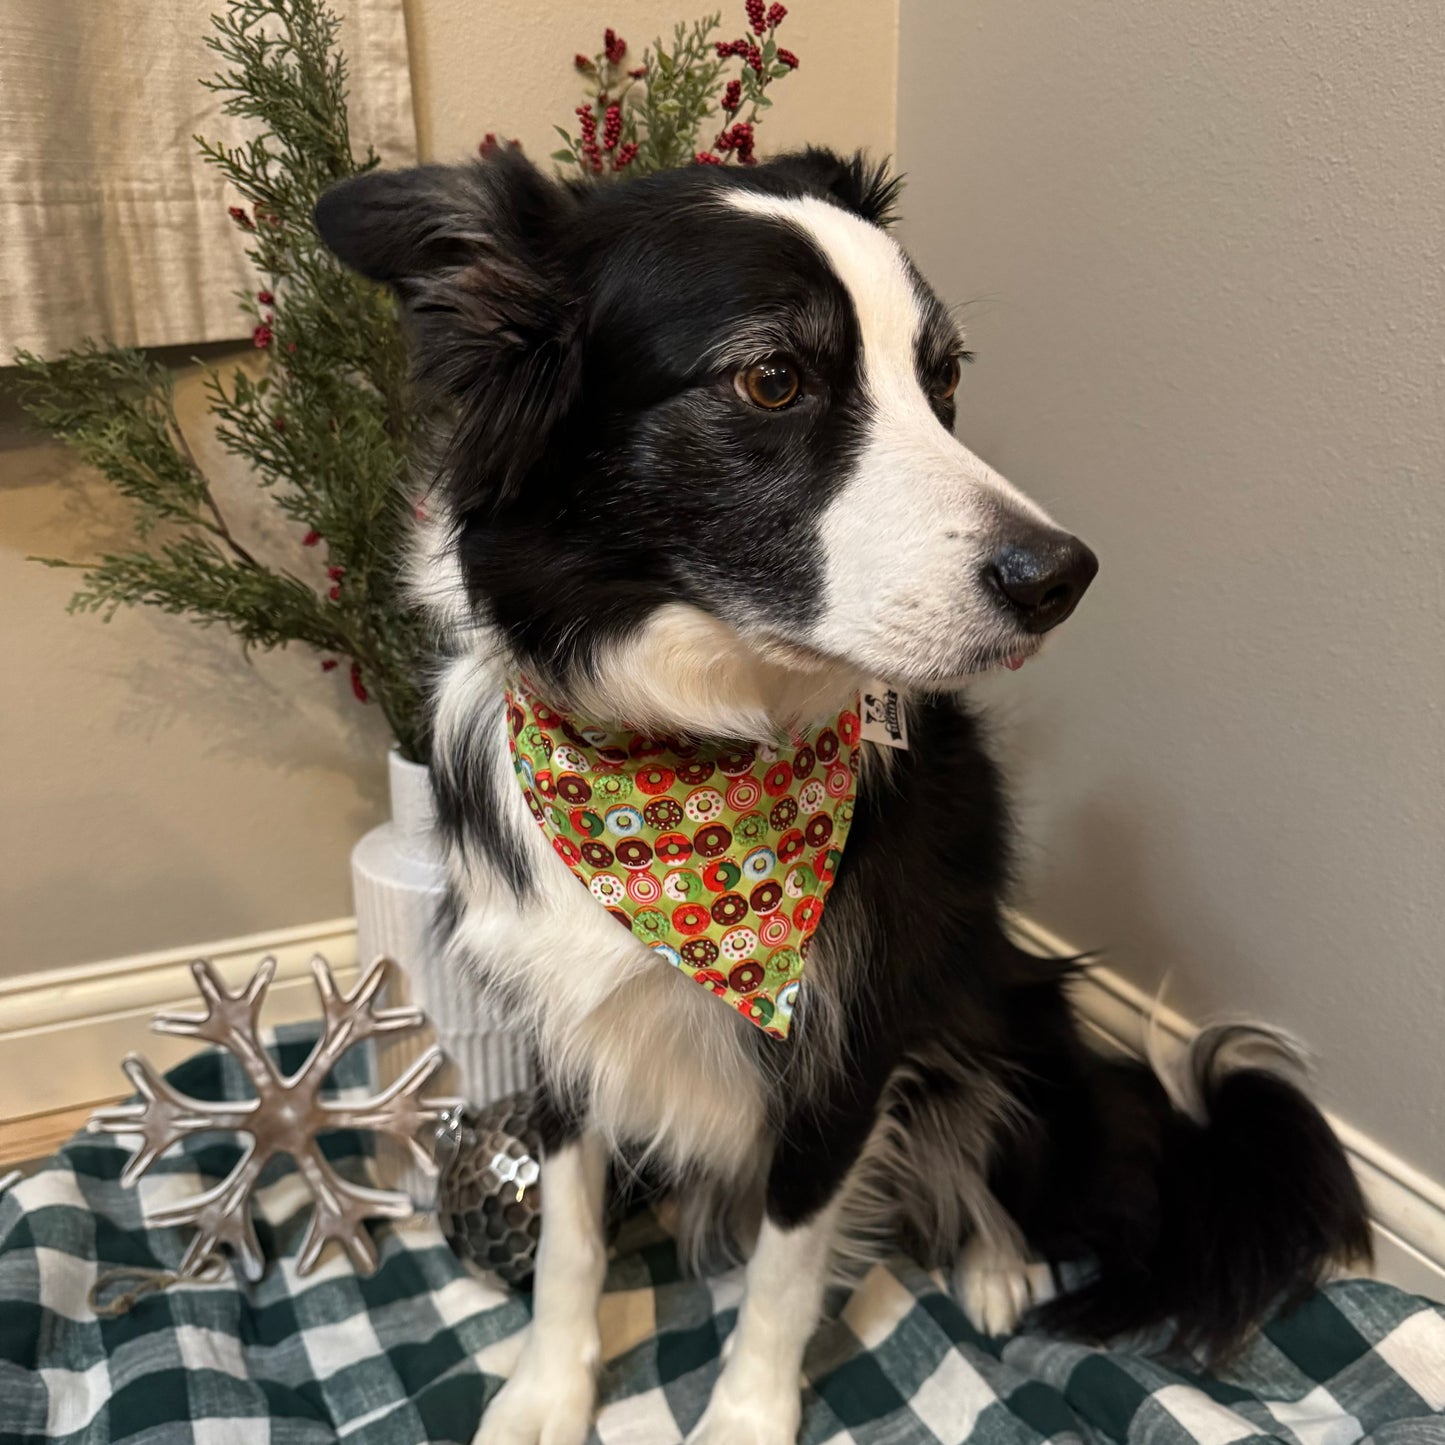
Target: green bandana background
[718, 858]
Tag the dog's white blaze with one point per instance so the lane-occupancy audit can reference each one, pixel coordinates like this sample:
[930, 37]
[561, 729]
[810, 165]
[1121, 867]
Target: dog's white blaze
[907, 536]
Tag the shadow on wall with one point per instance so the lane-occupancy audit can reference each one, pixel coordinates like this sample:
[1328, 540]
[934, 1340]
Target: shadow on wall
[167, 790]
[266, 707]
[1104, 846]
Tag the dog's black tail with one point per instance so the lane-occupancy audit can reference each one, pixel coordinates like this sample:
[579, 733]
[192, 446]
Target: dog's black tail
[1210, 1193]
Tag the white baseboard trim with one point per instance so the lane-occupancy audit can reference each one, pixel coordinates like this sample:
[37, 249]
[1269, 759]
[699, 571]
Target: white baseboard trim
[1408, 1209]
[63, 1033]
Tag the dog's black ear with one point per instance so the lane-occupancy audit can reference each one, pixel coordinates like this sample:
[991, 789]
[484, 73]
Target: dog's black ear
[867, 187]
[474, 254]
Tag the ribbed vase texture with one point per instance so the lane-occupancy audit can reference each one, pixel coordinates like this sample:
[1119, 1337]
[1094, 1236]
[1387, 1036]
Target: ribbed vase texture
[398, 880]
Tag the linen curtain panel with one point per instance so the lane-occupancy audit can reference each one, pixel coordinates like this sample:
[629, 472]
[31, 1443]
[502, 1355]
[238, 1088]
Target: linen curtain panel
[110, 224]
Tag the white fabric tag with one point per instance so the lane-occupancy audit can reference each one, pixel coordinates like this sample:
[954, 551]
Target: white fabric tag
[885, 720]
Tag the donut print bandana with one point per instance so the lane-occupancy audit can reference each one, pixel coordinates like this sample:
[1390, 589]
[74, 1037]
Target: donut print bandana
[718, 857]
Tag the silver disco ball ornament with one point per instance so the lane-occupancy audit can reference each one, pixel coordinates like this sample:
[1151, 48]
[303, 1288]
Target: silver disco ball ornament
[489, 1192]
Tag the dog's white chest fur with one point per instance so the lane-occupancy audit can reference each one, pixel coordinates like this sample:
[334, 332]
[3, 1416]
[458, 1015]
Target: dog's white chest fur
[661, 1062]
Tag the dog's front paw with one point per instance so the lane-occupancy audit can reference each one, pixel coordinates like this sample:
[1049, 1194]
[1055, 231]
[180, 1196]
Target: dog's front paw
[548, 1401]
[994, 1288]
[995, 1300]
[749, 1417]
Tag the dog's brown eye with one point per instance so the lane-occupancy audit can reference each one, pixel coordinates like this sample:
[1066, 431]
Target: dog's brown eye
[770, 384]
[947, 382]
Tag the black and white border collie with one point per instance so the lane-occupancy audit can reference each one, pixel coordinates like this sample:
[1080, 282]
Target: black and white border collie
[698, 476]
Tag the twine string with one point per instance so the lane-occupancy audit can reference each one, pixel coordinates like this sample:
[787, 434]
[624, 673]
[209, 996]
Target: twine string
[209, 1269]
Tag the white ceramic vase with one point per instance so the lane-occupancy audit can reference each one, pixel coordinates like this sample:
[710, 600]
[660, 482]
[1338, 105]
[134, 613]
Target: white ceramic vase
[398, 880]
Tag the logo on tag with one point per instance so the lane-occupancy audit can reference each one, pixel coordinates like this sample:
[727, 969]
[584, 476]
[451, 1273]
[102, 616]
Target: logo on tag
[884, 720]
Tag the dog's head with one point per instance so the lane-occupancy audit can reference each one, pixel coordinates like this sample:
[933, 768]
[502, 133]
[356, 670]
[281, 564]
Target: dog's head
[702, 465]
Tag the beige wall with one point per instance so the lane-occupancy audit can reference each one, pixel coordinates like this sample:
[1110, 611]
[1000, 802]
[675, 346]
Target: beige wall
[1204, 247]
[494, 67]
[157, 791]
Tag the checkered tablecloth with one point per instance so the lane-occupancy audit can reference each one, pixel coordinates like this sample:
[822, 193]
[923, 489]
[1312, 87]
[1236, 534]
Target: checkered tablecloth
[414, 1352]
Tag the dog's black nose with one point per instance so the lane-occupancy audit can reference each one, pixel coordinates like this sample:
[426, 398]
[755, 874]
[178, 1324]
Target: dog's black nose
[1043, 577]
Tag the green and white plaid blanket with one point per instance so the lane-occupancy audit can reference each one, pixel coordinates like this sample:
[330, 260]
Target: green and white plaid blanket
[415, 1352]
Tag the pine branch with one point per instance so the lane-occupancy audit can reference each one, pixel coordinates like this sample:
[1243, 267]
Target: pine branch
[116, 409]
[324, 431]
[189, 577]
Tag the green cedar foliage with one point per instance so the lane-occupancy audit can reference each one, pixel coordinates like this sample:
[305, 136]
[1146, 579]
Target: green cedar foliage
[325, 432]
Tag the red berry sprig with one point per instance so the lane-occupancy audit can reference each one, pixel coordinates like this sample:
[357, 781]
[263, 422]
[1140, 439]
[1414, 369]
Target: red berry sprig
[591, 151]
[490, 144]
[611, 127]
[738, 140]
[612, 134]
[763, 62]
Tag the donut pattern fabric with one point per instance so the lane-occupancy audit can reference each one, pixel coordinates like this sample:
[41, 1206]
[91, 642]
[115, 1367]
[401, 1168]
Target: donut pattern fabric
[718, 856]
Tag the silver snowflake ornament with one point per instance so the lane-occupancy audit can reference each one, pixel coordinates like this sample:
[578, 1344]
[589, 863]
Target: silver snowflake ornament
[287, 1116]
